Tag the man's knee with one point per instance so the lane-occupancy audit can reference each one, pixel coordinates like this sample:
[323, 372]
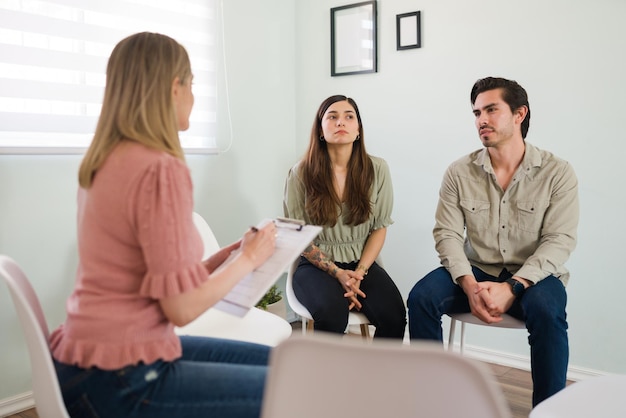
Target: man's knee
[426, 290]
[546, 298]
[418, 295]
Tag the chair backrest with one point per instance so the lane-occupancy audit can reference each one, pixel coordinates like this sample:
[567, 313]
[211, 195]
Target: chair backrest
[598, 396]
[292, 300]
[48, 399]
[325, 376]
[208, 238]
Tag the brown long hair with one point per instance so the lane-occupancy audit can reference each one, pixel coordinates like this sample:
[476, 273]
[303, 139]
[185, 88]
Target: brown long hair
[322, 205]
[137, 104]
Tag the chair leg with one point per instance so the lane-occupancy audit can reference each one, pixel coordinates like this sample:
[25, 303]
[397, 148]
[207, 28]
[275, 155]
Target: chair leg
[365, 331]
[310, 325]
[452, 334]
[462, 337]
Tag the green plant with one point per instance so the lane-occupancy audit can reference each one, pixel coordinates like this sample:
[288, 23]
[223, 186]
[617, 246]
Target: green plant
[273, 295]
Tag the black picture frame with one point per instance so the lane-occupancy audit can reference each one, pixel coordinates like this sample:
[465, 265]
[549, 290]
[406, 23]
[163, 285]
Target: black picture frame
[408, 31]
[354, 39]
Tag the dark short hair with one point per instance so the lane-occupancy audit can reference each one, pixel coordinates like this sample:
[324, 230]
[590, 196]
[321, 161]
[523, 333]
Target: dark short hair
[512, 93]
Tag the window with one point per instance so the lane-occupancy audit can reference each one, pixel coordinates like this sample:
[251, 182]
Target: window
[53, 56]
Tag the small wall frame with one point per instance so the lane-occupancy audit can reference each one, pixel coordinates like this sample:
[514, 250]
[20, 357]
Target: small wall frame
[408, 31]
[353, 39]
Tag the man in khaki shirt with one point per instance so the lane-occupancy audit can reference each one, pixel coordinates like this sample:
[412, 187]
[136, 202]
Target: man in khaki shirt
[505, 225]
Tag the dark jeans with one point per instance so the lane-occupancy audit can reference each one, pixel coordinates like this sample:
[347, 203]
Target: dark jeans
[323, 296]
[541, 307]
[214, 378]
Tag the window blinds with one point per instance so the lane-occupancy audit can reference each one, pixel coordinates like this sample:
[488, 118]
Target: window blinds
[53, 56]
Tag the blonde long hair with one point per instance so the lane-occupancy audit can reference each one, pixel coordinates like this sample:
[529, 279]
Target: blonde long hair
[138, 104]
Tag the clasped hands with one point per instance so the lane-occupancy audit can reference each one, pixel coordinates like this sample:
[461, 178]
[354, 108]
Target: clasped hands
[351, 282]
[487, 300]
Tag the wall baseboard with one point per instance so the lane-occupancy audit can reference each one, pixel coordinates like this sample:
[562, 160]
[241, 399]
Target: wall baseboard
[17, 403]
[574, 373]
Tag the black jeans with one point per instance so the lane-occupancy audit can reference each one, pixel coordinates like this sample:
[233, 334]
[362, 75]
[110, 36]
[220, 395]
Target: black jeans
[322, 295]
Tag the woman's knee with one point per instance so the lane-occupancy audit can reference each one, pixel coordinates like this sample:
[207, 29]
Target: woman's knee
[325, 321]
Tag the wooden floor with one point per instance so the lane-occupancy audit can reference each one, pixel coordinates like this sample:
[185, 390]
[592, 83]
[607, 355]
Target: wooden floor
[29, 413]
[516, 385]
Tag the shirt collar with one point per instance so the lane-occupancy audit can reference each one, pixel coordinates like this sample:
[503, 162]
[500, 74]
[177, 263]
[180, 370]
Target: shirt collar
[532, 158]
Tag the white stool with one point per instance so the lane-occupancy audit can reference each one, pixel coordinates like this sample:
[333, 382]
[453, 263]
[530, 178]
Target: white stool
[467, 318]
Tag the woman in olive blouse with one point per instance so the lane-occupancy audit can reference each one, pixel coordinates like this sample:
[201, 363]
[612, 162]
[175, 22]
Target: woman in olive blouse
[339, 186]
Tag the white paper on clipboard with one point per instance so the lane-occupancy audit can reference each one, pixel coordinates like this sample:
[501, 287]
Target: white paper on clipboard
[293, 237]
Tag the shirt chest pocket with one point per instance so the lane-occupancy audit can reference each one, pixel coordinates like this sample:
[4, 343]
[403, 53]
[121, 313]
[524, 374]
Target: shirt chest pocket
[476, 214]
[530, 215]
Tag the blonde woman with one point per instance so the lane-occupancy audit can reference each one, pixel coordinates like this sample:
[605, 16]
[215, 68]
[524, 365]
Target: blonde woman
[140, 271]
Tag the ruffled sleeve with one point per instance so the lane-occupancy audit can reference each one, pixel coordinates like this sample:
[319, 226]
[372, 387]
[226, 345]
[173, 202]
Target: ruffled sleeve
[382, 194]
[293, 198]
[162, 215]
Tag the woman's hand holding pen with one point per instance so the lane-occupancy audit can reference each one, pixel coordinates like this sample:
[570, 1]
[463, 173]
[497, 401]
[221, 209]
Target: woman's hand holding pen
[258, 244]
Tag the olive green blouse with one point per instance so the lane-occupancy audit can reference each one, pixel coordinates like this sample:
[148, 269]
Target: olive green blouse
[344, 243]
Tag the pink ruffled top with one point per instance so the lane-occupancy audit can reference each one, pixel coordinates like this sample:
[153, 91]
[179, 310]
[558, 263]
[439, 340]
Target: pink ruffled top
[137, 243]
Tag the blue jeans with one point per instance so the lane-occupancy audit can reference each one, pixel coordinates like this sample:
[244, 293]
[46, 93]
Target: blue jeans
[541, 307]
[213, 378]
[322, 295]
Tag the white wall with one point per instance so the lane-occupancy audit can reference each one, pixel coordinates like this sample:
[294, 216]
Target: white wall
[568, 55]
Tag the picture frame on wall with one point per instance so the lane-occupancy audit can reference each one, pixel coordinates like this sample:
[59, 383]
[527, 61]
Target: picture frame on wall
[353, 39]
[408, 31]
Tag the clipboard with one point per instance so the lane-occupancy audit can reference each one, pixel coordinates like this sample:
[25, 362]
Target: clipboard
[293, 238]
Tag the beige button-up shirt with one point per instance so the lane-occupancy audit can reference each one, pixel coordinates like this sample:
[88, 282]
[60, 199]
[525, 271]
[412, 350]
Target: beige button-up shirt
[528, 229]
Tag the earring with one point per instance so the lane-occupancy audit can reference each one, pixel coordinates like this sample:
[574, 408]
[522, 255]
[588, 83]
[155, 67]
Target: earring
[322, 138]
[357, 137]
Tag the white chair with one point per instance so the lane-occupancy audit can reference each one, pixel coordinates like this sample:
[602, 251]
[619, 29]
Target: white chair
[354, 318]
[46, 390]
[467, 318]
[317, 376]
[208, 238]
[601, 396]
[257, 326]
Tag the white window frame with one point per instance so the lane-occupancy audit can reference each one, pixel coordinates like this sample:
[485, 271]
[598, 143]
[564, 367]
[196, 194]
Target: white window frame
[53, 56]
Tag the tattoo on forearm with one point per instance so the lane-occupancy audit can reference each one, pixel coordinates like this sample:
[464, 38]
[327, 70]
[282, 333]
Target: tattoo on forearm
[320, 260]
